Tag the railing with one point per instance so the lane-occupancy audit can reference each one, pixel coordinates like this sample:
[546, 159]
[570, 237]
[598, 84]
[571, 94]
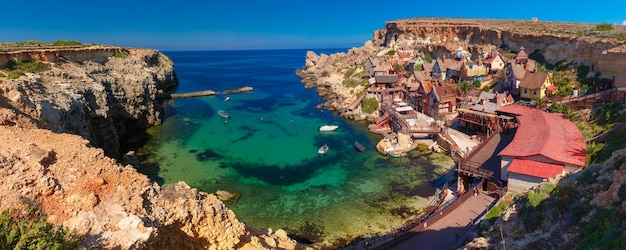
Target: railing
[405, 231]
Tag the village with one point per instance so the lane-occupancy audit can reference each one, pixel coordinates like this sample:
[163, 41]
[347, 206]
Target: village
[490, 114]
[493, 100]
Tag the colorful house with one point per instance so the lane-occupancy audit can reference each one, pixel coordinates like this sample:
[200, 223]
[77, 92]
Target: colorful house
[471, 71]
[535, 85]
[386, 87]
[442, 100]
[417, 84]
[545, 145]
[375, 66]
[517, 68]
[494, 62]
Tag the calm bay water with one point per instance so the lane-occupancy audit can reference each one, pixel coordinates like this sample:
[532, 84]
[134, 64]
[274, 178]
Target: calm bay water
[267, 151]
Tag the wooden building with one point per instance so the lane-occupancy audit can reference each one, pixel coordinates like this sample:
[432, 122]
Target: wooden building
[545, 145]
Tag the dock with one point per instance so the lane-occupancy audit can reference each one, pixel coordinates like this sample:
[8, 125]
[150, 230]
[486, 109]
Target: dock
[207, 93]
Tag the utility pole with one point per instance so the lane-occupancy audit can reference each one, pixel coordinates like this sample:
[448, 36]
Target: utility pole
[502, 236]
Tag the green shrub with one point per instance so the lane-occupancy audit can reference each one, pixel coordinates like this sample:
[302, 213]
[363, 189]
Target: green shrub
[486, 88]
[66, 43]
[604, 231]
[14, 74]
[588, 177]
[349, 72]
[476, 84]
[369, 105]
[1, 74]
[538, 195]
[120, 54]
[33, 67]
[496, 211]
[352, 83]
[604, 27]
[29, 230]
[391, 52]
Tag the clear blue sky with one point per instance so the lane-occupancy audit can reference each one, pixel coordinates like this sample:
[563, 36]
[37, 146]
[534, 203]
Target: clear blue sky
[245, 24]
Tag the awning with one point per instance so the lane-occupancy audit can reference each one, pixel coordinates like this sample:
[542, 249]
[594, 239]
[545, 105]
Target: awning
[405, 108]
[402, 104]
[475, 112]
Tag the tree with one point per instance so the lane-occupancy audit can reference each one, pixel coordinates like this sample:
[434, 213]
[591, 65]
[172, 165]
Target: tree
[464, 87]
[540, 101]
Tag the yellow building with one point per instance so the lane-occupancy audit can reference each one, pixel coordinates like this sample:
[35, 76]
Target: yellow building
[535, 85]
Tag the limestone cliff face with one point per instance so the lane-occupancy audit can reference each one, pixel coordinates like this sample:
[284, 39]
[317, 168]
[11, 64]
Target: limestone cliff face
[556, 41]
[327, 72]
[92, 92]
[112, 205]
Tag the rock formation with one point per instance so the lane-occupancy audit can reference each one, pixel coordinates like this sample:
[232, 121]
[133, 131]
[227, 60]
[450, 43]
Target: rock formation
[113, 205]
[58, 129]
[555, 40]
[91, 92]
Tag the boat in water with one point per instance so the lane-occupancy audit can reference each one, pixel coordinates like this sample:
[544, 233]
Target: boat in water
[223, 114]
[227, 99]
[359, 146]
[324, 128]
[396, 154]
[323, 149]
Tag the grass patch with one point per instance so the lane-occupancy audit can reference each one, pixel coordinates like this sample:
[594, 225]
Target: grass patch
[369, 105]
[496, 211]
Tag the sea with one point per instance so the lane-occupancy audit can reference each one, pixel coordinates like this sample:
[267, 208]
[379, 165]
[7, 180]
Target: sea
[267, 151]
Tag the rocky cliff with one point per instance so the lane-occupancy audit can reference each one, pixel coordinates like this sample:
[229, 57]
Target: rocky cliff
[556, 41]
[111, 205]
[438, 37]
[100, 93]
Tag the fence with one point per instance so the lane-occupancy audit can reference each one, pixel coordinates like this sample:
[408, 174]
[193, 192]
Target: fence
[436, 211]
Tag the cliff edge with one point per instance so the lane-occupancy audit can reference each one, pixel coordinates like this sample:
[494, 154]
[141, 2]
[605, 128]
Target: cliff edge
[101, 93]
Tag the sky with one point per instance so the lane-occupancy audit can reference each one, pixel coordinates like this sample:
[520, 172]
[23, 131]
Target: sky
[272, 24]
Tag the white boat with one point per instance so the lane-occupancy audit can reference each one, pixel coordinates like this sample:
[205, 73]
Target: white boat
[323, 149]
[227, 99]
[328, 128]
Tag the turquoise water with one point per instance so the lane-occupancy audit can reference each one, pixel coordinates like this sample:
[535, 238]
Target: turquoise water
[267, 152]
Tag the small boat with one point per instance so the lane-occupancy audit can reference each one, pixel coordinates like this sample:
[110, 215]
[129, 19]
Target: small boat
[396, 154]
[359, 146]
[227, 99]
[323, 149]
[328, 128]
[223, 114]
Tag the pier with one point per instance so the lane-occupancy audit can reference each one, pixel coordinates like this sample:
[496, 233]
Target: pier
[207, 93]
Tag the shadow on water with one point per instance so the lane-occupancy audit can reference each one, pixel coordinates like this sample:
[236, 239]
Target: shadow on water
[262, 106]
[282, 175]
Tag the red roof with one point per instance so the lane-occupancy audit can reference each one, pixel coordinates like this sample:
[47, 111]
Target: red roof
[516, 109]
[535, 168]
[550, 135]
